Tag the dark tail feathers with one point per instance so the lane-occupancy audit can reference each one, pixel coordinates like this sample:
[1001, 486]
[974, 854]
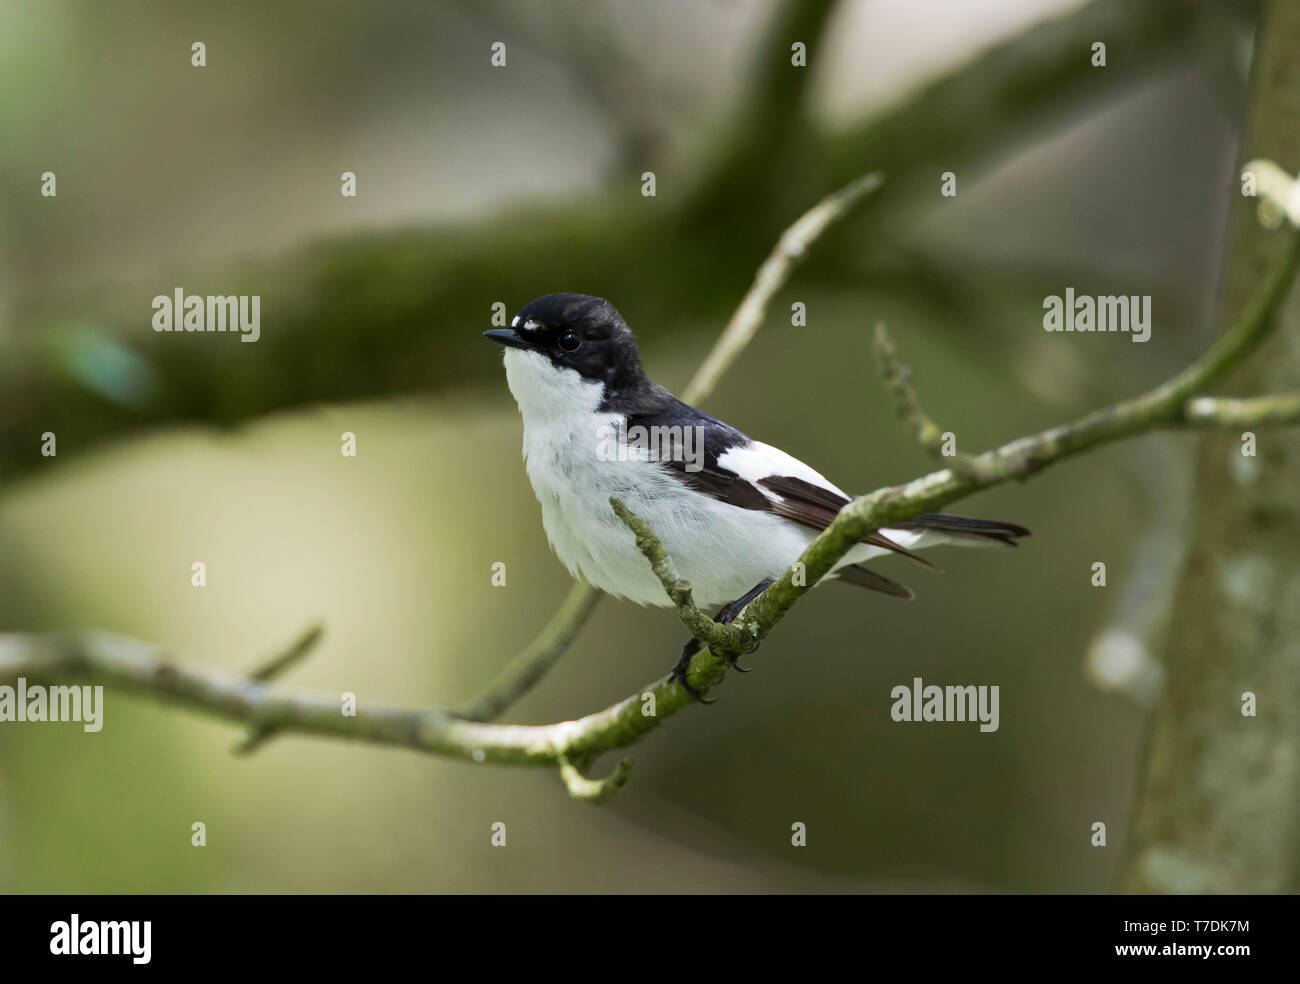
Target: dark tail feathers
[988, 529]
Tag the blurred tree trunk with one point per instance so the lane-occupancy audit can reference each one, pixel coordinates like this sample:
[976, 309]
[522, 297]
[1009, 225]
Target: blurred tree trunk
[1217, 807]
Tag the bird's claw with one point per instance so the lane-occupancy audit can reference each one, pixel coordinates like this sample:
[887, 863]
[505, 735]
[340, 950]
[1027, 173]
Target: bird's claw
[679, 676]
[734, 661]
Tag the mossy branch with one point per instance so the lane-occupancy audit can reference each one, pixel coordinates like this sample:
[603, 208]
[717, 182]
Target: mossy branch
[344, 322]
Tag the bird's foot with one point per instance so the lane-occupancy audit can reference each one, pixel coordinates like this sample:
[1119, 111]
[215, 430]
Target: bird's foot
[726, 615]
[678, 673]
[734, 663]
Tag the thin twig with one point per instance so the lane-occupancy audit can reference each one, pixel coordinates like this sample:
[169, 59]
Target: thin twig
[523, 672]
[771, 277]
[285, 660]
[898, 378]
[1282, 409]
[275, 667]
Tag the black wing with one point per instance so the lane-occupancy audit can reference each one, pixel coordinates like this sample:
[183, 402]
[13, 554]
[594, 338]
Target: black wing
[793, 498]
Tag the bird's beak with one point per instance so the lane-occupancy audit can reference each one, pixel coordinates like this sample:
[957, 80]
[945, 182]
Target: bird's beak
[508, 337]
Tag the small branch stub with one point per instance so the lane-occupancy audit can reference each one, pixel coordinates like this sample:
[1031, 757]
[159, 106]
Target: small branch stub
[595, 791]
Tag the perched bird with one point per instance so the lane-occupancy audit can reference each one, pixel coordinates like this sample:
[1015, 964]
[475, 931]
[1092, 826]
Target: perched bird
[732, 512]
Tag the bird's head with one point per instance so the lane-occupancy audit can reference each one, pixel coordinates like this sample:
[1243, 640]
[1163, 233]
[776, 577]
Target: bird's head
[566, 352]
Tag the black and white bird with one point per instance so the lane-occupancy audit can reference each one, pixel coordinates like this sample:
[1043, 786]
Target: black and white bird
[732, 512]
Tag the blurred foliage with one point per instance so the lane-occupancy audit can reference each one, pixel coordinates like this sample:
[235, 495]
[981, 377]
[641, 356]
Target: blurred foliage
[372, 325]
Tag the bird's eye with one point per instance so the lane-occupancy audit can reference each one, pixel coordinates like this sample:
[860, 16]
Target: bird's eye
[570, 341]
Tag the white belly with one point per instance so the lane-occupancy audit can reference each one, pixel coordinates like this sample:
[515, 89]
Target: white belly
[721, 549]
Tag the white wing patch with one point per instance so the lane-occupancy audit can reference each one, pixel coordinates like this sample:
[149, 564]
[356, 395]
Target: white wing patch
[756, 461]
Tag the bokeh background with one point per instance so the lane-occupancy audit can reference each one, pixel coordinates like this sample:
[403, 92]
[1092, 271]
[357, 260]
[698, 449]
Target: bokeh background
[477, 185]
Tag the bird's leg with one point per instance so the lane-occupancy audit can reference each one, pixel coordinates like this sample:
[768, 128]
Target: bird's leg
[726, 615]
[679, 671]
[728, 612]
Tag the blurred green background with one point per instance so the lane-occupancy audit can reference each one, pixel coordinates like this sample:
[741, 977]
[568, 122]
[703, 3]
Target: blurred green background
[479, 185]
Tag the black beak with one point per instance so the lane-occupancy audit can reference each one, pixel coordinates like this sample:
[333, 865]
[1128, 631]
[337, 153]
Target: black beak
[508, 337]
